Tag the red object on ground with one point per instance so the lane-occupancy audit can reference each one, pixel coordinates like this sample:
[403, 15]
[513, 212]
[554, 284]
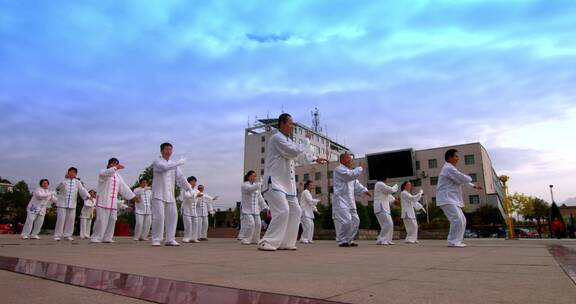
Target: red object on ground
[122, 229]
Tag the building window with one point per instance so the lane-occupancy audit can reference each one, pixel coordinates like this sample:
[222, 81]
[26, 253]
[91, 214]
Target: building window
[474, 177]
[469, 159]
[417, 165]
[417, 183]
[262, 161]
[317, 175]
[318, 190]
[432, 163]
[474, 199]
[306, 177]
[434, 180]
[262, 150]
[330, 174]
[296, 177]
[262, 172]
[263, 138]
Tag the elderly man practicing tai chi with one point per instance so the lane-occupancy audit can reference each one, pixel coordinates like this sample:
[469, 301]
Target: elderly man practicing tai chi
[280, 186]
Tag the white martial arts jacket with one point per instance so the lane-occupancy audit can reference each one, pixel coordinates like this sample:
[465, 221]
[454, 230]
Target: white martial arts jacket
[41, 199]
[281, 153]
[346, 184]
[409, 202]
[144, 206]
[68, 191]
[383, 197]
[166, 176]
[252, 201]
[190, 202]
[449, 188]
[308, 204]
[204, 205]
[90, 202]
[110, 184]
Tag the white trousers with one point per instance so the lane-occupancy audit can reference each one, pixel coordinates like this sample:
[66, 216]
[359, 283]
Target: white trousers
[64, 222]
[190, 228]
[346, 222]
[142, 228]
[457, 223]
[386, 227]
[164, 219]
[85, 227]
[104, 225]
[33, 225]
[243, 223]
[203, 227]
[307, 229]
[252, 225]
[411, 226]
[283, 229]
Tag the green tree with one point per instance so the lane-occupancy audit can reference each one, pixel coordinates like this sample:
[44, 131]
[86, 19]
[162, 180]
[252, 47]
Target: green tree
[13, 204]
[555, 213]
[363, 215]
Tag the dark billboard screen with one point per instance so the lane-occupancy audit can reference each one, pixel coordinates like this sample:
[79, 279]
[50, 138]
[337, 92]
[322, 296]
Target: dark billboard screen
[396, 164]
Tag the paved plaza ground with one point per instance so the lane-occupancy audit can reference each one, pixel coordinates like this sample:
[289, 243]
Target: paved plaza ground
[488, 271]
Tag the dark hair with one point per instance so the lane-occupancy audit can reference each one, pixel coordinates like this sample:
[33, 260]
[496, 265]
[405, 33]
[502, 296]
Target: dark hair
[307, 184]
[164, 145]
[92, 190]
[403, 186]
[383, 178]
[450, 153]
[248, 175]
[72, 169]
[192, 178]
[142, 180]
[44, 180]
[113, 159]
[283, 118]
[200, 186]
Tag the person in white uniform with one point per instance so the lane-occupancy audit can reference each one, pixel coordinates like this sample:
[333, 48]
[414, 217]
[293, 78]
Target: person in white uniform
[383, 198]
[308, 205]
[251, 205]
[36, 210]
[167, 174]
[189, 212]
[86, 215]
[344, 213]
[204, 207]
[110, 186]
[68, 191]
[449, 197]
[143, 211]
[409, 204]
[279, 187]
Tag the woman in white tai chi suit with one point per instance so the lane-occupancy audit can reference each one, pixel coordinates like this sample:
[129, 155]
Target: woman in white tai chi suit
[383, 198]
[204, 207]
[410, 203]
[189, 213]
[36, 210]
[68, 191]
[308, 205]
[143, 211]
[86, 215]
[252, 204]
[280, 187]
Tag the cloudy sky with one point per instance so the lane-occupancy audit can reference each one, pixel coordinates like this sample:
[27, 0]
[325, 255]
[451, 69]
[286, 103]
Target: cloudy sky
[84, 81]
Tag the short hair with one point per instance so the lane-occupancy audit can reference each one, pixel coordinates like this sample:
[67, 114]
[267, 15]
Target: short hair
[113, 159]
[142, 180]
[73, 169]
[164, 145]
[92, 190]
[383, 178]
[200, 186]
[403, 186]
[283, 118]
[307, 184]
[44, 180]
[192, 178]
[345, 154]
[248, 175]
[450, 153]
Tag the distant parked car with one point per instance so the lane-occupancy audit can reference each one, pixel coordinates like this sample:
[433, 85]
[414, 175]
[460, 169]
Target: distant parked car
[470, 234]
[526, 233]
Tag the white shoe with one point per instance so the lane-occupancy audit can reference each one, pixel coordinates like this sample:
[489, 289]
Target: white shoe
[411, 243]
[57, 239]
[304, 241]
[156, 244]
[35, 237]
[185, 240]
[144, 239]
[245, 242]
[288, 248]
[266, 247]
[391, 243]
[69, 238]
[24, 237]
[109, 241]
[95, 241]
[173, 243]
[195, 241]
[135, 240]
[461, 245]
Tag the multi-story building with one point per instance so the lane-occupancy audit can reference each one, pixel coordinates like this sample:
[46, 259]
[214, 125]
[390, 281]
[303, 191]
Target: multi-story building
[475, 162]
[5, 185]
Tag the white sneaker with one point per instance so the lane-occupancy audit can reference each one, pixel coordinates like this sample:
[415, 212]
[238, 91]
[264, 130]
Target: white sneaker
[391, 243]
[144, 239]
[95, 241]
[69, 238]
[156, 244]
[195, 241]
[185, 240]
[266, 247]
[461, 245]
[109, 241]
[35, 237]
[245, 242]
[173, 243]
[288, 248]
[135, 240]
[57, 239]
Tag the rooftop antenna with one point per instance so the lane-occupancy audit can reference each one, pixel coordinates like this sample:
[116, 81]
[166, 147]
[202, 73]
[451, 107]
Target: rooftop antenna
[316, 120]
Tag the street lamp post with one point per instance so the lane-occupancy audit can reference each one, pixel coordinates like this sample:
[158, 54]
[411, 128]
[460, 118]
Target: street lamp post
[552, 193]
[508, 207]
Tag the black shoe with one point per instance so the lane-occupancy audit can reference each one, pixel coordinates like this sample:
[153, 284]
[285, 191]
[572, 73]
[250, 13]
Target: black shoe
[344, 245]
[353, 245]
